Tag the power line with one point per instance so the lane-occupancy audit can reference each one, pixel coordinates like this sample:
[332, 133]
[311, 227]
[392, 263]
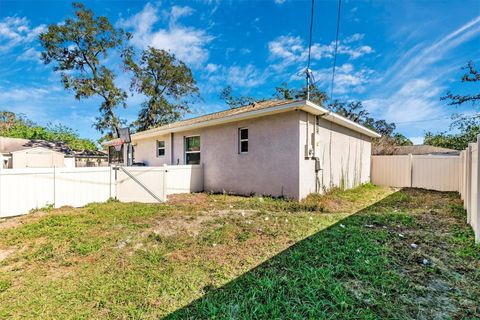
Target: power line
[426, 120]
[310, 35]
[336, 49]
[307, 71]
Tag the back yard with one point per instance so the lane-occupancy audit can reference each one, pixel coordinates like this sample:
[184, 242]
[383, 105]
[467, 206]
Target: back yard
[364, 253]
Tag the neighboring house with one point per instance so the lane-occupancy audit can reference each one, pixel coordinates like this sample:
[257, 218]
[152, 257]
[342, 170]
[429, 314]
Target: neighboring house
[278, 148]
[423, 149]
[25, 153]
[90, 158]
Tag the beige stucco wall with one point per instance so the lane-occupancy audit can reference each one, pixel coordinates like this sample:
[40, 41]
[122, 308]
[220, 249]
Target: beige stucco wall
[146, 151]
[270, 167]
[276, 163]
[348, 163]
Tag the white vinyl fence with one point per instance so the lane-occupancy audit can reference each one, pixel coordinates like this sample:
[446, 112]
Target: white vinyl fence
[470, 189]
[22, 190]
[436, 172]
[432, 172]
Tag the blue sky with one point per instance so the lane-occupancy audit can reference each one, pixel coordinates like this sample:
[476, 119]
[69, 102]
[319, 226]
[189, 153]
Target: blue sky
[398, 57]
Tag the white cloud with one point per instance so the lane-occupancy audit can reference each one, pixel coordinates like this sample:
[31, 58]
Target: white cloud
[409, 91]
[30, 54]
[187, 43]
[347, 79]
[279, 1]
[16, 31]
[354, 38]
[416, 100]
[8, 95]
[237, 76]
[177, 12]
[419, 60]
[288, 50]
[211, 67]
[246, 76]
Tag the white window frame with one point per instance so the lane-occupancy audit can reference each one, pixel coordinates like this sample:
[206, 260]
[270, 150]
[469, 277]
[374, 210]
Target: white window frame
[161, 148]
[188, 152]
[240, 140]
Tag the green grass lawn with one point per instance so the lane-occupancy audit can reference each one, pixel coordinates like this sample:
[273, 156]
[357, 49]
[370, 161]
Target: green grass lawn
[364, 253]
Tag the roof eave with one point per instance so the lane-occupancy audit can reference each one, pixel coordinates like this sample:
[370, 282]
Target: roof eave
[223, 120]
[35, 148]
[338, 119]
[304, 105]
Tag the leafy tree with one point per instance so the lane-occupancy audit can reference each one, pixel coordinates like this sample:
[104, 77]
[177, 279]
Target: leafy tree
[389, 139]
[282, 92]
[18, 126]
[468, 129]
[354, 110]
[317, 96]
[400, 140]
[167, 83]
[471, 76]
[76, 48]
[235, 102]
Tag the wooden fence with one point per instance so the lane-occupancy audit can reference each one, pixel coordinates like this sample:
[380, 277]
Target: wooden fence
[436, 172]
[22, 190]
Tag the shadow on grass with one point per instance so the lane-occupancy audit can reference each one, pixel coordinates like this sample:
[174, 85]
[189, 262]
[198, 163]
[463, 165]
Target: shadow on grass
[353, 269]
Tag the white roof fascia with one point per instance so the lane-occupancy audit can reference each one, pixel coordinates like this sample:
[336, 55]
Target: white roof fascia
[36, 148]
[338, 119]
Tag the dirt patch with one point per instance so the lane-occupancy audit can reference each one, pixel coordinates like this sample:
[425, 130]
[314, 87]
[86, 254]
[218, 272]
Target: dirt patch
[190, 199]
[193, 225]
[5, 253]
[13, 222]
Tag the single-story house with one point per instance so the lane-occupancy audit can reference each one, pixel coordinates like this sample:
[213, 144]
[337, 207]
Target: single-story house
[423, 149]
[279, 148]
[29, 153]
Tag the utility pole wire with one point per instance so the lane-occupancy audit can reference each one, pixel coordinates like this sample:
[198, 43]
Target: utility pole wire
[336, 49]
[307, 71]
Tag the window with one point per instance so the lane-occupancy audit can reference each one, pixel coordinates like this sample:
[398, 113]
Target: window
[243, 140]
[160, 148]
[192, 150]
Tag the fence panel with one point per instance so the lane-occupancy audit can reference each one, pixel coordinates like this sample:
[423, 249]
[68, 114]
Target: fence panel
[393, 171]
[77, 187]
[436, 172]
[182, 179]
[22, 190]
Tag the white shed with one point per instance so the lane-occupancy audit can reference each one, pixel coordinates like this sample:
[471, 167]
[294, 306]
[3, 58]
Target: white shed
[37, 157]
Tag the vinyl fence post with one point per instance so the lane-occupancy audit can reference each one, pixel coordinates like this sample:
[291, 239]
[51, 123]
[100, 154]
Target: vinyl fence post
[476, 226]
[468, 187]
[54, 185]
[410, 163]
[1, 168]
[110, 182]
[165, 173]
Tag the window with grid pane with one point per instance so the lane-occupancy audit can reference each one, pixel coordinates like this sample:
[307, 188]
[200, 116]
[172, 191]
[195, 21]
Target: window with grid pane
[243, 140]
[160, 148]
[192, 150]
